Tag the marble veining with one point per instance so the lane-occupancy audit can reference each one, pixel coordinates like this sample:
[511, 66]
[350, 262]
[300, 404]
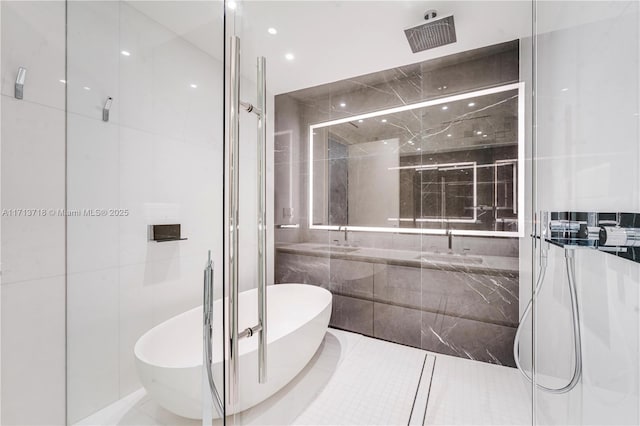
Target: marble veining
[468, 310]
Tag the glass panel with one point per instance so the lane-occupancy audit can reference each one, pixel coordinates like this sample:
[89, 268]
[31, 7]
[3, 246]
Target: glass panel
[144, 148]
[360, 139]
[586, 146]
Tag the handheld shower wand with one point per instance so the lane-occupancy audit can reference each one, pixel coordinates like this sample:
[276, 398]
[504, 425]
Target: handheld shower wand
[575, 316]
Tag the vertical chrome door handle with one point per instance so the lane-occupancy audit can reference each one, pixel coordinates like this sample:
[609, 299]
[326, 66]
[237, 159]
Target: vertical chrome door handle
[234, 180]
[233, 214]
[207, 334]
[262, 219]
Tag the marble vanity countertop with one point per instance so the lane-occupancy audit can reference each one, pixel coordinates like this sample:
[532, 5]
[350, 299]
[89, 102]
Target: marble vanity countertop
[411, 258]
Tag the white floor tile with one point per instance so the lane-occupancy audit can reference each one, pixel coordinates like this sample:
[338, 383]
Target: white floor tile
[465, 392]
[356, 380]
[375, 384]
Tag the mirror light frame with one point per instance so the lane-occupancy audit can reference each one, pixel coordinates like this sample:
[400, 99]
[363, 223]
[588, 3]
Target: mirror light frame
[478, 233]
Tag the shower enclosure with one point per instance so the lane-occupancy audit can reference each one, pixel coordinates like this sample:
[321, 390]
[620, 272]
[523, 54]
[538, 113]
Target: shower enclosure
[164, 158]
[586, 115]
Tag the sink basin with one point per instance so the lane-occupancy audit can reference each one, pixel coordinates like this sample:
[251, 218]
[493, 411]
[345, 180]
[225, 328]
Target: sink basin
[449, 258]
[337, 249]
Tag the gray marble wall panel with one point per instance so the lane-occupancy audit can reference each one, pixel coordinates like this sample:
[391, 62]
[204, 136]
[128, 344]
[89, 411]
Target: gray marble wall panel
[476, 340]
[291, 268]
[352, 314]
[482, 297]
[351, 278]
[397, 324]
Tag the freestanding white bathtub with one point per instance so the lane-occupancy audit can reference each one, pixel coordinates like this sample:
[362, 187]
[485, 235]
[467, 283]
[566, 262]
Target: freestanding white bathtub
[169, 356]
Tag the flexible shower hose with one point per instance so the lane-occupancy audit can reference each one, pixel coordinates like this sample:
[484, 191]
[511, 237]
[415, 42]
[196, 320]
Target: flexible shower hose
[575, 316]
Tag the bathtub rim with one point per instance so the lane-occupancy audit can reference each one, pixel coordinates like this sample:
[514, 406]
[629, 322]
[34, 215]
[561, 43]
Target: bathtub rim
[154, 330]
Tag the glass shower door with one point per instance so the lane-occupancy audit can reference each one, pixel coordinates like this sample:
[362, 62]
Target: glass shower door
[144, 121]
[587, 103]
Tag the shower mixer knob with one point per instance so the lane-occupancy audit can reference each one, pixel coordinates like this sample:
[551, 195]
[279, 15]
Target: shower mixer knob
[619, 237]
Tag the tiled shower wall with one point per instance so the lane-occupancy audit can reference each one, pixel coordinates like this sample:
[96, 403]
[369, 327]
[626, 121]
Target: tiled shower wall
[33, 247]
[156, 158]
[454, 311]
[159, 157]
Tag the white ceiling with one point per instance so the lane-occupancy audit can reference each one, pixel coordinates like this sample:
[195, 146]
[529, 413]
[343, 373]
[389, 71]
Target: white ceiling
[334, 40]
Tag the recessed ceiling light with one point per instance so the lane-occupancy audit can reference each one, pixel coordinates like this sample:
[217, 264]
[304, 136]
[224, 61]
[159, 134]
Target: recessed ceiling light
[385, 142]
[471, 104]
[449, 135]
[232, 4]
[565, 89]
[479, 132]
[87, 88]
[125, 53]
[289, 57]
[384, 120]
[484, 136]
[418, 149]
[342, 104]
[193, 86]
[445, 107]
[410, 142]
[272, 31]
[62, 81]
[444, 87]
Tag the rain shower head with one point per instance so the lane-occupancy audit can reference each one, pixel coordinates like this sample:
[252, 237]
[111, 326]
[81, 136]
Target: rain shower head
[435, 32]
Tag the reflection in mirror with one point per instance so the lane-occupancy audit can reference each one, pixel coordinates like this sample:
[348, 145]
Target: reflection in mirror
[452, 163]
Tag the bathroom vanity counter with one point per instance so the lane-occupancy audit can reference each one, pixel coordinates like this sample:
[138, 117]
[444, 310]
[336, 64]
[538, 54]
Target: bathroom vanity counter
[410, 258]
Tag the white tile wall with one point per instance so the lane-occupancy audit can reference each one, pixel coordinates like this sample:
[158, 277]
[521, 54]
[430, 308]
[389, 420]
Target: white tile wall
[92, 340]
[160, 157]
[32, 174]
[33, 358]
[33, 38]
[33, 178]
[93, 56]
[92, 183]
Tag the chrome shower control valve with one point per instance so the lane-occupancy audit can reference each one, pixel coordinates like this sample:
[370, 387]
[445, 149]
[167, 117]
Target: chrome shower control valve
[616, 236]
[615, 233]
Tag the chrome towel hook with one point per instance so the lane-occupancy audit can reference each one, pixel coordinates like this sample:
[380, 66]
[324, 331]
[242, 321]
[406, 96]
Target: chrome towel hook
[22, 75]
[106, 108]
